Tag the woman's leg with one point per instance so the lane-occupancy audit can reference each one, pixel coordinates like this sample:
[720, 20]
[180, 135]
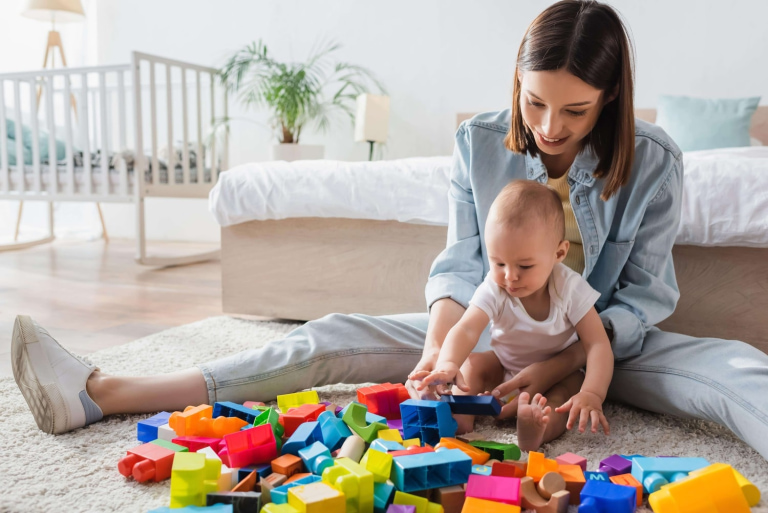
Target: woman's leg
[334, 349]
[705, 378]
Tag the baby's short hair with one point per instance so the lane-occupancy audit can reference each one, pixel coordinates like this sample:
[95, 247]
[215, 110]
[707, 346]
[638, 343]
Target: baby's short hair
[526, 200]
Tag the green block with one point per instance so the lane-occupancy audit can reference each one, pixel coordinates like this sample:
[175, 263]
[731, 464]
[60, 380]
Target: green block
[354, 417]
[270, 416]
[169, 445]
[498, 451]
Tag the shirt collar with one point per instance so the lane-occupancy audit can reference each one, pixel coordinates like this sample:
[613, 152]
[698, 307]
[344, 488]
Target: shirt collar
[581, 170]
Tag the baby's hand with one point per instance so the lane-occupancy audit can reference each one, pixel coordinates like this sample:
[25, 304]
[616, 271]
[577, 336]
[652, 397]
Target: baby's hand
[585, 406]
[444, 376]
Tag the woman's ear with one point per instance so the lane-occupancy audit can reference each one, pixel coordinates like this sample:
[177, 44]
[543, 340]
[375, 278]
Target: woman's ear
[613, 95]
[519, 76]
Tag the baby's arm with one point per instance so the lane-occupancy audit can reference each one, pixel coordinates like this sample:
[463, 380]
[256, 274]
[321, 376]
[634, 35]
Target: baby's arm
[459, 343]
[588, 403]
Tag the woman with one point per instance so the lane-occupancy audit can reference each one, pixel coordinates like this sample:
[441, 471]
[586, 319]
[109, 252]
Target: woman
[571, 125]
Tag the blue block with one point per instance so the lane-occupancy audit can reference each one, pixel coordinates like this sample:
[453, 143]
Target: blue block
[304, 436]
[383, 495]
[386, 445]
[427, 420]
[481, 470]
[597, 476]
[370, 418]
[228, 409]
[262, 470]
[599, 497]
[279, 495]
[473, 404]
[316, 458]
[654, 473]
[217, 508]
[334, 430]
[430, 470]
[146, 430]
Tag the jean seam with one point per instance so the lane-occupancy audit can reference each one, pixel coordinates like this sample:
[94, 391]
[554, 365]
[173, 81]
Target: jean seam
[701, 379]
[302, 365]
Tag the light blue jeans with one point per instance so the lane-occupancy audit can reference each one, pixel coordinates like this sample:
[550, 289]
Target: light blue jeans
[725, 381]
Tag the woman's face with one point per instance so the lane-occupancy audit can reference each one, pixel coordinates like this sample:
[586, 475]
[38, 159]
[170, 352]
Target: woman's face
[559, 108]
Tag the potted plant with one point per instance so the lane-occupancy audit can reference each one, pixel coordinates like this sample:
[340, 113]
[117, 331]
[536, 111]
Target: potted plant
[297, 94]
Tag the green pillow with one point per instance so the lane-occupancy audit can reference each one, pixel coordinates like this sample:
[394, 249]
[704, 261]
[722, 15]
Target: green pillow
[26, 134]
[12, 153]
[704, 124]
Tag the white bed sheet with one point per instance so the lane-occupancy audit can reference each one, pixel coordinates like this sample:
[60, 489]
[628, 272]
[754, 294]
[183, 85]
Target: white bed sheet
[725, 198]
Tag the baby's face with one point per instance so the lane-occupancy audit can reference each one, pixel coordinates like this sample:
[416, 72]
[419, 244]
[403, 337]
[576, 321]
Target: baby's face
[522, 257]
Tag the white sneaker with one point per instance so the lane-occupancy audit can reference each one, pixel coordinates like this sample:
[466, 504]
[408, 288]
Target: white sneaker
[51, 379]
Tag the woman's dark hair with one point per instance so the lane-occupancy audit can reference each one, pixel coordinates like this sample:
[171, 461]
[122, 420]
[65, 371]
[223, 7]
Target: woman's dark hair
[588, 40]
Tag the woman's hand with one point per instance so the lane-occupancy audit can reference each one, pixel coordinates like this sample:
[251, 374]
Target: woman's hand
[442, 378]
[586, 406]
[426, 364]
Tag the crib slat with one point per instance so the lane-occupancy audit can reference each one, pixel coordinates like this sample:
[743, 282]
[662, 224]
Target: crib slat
[199, 161]
[213, 121]
[20, 164]
[86, 136]
[103, 108]
[171, 162]
[184, 129]
[4, 172]
[153, 124]
[53, 178]
[70, 177]
[225, 150]
[138, 162]
[121, 124]
[35, 136]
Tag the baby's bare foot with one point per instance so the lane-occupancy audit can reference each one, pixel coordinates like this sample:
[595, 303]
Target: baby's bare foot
[532, 419]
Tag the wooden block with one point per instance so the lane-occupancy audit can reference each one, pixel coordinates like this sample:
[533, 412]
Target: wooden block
[574, 481]
[549, 484]
[450, 497]
[531, 499]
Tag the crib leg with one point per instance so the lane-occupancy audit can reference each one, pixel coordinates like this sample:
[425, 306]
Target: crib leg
[103, 225]
[18, 222]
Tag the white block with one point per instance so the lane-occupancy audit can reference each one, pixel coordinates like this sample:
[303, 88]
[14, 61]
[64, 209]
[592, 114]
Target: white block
[165, 432]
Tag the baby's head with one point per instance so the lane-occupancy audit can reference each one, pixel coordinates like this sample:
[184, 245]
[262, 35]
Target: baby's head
[525, 236]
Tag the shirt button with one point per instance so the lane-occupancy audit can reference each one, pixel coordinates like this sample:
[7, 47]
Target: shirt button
[593, 249]
[578, 200]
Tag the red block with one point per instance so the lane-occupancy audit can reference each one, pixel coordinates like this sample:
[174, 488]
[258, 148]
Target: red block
[383, 399]
[298, 416]
[249, 447]
[147, 461]
[195, 443]
[414, 449]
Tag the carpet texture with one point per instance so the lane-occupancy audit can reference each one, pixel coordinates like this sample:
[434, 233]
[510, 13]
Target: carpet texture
[78, 471]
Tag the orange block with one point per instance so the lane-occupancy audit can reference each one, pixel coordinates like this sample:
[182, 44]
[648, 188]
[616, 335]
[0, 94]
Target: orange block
[287, 464]
[629, 480]
[509, 468]
[184, 422]
[479, 457]
[574, 481]
[538, 465]
[296, 477]
[475, 505]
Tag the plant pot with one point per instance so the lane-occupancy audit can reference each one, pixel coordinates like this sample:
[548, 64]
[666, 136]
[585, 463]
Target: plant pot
[291, 152]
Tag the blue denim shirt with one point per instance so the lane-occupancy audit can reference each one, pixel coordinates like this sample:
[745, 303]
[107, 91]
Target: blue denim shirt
[627, 239]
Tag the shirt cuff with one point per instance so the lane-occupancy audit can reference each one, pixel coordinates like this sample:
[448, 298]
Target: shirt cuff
[628, 331]
[446, 285]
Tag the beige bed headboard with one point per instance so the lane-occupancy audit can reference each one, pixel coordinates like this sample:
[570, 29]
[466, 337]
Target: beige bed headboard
[758, 130]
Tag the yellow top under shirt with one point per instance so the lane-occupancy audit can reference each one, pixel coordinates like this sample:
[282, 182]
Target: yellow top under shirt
[575, 257]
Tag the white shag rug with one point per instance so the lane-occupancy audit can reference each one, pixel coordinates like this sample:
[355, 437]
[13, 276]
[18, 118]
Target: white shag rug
[78, 471]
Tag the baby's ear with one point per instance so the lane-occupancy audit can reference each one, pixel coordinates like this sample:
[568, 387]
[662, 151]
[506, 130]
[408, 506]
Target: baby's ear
[562, 250]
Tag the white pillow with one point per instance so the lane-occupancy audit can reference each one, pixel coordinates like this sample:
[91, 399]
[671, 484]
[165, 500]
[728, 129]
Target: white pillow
[755, 142]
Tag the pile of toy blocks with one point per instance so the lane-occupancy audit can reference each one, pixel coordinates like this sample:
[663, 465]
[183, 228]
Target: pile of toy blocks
[387, 453]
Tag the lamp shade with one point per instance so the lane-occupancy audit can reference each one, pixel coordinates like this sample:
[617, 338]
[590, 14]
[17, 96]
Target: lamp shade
[372, 119]
[61, 11]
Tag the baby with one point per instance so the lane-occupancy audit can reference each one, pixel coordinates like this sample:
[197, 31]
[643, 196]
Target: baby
[537, 307]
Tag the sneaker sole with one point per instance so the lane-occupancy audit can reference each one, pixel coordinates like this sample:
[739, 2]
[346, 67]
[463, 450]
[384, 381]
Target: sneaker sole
[38, 401]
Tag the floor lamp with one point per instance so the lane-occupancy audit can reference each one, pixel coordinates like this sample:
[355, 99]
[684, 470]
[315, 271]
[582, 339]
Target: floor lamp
[372, 120]
[62, 11]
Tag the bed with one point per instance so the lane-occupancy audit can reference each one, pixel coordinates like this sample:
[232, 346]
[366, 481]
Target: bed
[116, 133]
[304, 252]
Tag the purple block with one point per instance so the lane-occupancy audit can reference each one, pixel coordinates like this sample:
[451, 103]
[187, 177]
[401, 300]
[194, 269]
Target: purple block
[615, 465]
[396, 424]
[401, 508]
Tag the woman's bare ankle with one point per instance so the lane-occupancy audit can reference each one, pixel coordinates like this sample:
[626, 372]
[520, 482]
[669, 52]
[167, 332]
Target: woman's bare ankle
[96, 388]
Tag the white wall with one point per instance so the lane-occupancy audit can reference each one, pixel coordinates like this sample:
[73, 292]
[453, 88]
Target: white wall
[436, 57]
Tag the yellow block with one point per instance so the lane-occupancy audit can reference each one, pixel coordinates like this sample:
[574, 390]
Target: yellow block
[410, 442]
[750, 491]
[317, 498]
[271, 507]
[354, 482]
[712, 491]
[422, 504]
[286, 401]
[390, 434]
